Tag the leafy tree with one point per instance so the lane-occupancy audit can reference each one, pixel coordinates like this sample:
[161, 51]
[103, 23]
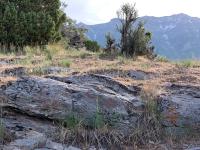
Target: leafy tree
[136, 40]
[127, 16]
[92, 45]
[110, 42]
[73, 34]
[139, 42]
[29, 23]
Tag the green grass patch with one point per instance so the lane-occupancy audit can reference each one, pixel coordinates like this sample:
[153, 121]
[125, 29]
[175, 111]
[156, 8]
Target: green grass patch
[188, 63]
[65, 63]
[162, 59]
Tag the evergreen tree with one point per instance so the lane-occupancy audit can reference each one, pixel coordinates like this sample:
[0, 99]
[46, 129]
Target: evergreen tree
[29, 23]
[110, 43]
[139, 42]
[127, 16]
[75, 35]
[134, 40]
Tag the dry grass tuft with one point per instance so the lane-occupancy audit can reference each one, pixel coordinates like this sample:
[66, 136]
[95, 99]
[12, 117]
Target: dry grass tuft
[104, 137]
[148, 127]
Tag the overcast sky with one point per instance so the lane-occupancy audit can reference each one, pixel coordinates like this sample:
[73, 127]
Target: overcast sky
[100, 11]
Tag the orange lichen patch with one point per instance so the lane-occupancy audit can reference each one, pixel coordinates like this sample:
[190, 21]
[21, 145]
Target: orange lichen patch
[150, 91]
[125, 81]
[52, 104]
[172, 116]
[5, 80]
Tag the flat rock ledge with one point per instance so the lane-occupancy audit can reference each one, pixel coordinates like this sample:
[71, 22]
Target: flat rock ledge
[31, 104]
[180, 108]
[36, 141]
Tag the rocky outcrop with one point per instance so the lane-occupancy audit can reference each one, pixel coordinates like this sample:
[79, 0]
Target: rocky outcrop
[56, 99]
[55, 70]
[18, 71]
[194, 148]
[133, 74]
[30, 141]
[38, 102]
[181, 107]
[36, 141]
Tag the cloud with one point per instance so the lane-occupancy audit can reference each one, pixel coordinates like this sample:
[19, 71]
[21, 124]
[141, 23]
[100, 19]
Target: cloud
[98, 11]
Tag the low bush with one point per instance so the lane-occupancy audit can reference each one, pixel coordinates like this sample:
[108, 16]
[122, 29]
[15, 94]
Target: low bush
[188, 63]
[162, 59]
[65, 63]
[37, 71]
[149, 123]
[71, 121]
[92, 45]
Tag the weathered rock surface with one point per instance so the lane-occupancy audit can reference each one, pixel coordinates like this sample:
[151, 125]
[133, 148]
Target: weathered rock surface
[30, 141]
[37, 101]
[181, 108]
[55, 70]
[194, 148]
[140, 75]
[51, 99]
[2, 63]
[30, 133]
[5, 61]
[18, 71]
[133, 74]
[36, 141]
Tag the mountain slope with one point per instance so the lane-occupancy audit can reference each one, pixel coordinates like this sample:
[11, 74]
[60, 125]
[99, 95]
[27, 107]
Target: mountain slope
[176, 36]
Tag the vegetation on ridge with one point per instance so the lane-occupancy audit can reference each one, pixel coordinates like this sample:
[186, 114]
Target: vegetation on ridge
[107, 98]
[29, 23]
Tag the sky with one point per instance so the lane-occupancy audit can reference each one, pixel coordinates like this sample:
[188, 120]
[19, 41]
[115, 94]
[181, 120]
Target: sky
[101, 11]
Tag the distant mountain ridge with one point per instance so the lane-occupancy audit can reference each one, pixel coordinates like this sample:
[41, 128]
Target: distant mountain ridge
[176, 36]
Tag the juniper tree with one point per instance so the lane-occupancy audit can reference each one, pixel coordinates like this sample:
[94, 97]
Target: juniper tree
[127, 16]
[29, 22]
[75, 35]
[135, 40]
[110, 42]
[139, 42]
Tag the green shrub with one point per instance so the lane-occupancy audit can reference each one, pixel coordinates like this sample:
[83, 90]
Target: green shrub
[84, 55]
[29, 23]
[145, 65]
[99, 121]
[186, 63]
[37, 71]
[65, 63]
[162, 59]
[2, 131]
[49, 56]
[92, 45]
[71, 121]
